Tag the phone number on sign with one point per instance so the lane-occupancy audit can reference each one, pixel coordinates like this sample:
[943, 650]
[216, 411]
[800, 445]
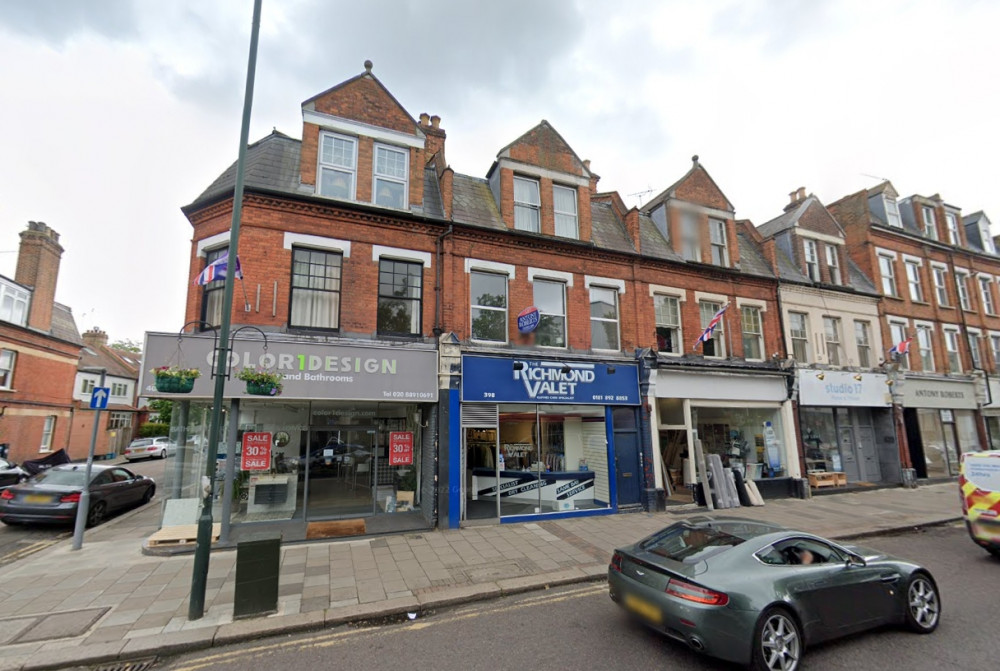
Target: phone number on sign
[608, 397]
[408, 394]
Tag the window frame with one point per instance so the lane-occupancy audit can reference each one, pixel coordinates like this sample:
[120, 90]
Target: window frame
[7, 369]
[930, 222]
[419, 300]
[720, 247]
[890, 276]
[48, 433]
[892, 216]
[690, 236]
[833, 264]
[904, 359]
[719, 334]
[951, 223]
[995, 350]
[352, 170]
[663, 324]
[810, 251]
[543, 313]
[863, 344]
[18, 297]
[757, 335]
[292, 288]
[376, 175]
[802, 339]
[560, 213]
[925, 349]
[208, 290]
[914, 283]
[953, 350]
[940, 287]
[974, 340]
[475, 306]
[535, 207]
[962, 288]
[605, 320]
[986, 295]
[833, 357]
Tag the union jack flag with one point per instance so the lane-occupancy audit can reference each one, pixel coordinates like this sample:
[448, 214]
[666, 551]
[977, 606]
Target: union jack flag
[216, 270]
[901, 348]
[706, 335]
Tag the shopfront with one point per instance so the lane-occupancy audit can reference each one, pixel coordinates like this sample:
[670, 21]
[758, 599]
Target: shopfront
[847, 425]
[991, 413]
[345, 439]
[548, 437]
[742, 417]
[940, 419]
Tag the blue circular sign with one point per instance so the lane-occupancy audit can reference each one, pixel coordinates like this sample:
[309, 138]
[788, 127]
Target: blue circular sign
[527, 321]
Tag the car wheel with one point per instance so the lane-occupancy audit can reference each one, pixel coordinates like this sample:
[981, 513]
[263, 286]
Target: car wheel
[148, 496]
[163, 454]
[923, 605]
[96, 513]
[995, 551]
[777, 643]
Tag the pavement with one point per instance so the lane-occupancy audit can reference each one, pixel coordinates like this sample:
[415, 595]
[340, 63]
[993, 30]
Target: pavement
[109, 601]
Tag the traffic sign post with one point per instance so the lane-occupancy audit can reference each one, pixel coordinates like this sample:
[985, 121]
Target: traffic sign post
[98, 401]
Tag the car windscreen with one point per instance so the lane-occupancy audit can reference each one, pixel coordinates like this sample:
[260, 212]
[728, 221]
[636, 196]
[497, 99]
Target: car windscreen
[693, 543]
[53, 477]
[983, 471]
[141, 443]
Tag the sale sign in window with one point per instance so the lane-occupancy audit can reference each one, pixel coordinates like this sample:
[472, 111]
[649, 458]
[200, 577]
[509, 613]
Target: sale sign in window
[400, 448]
[256, 451]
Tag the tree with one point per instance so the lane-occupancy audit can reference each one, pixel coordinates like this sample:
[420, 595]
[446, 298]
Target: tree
[128, 345]
[164, 409]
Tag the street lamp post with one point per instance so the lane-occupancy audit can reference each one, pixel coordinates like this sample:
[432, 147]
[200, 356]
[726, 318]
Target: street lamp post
[199, 577]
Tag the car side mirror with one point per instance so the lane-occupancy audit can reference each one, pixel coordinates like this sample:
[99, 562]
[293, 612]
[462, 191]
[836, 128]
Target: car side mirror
[855, 560]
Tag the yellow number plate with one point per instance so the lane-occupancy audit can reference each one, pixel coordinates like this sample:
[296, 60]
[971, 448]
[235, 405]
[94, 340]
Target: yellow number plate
[643, 608]
[37, 498]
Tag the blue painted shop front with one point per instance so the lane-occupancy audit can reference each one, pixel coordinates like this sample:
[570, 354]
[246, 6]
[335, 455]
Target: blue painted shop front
[545, 438]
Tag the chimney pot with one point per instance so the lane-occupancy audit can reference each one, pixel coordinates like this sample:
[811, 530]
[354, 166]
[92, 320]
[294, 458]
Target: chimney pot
[425, 119]
[95, 337]
[802, 193]
[435, 121]
[586, 164]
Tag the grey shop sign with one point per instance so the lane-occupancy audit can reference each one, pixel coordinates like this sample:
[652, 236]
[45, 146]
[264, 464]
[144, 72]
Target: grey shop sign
[309, 370]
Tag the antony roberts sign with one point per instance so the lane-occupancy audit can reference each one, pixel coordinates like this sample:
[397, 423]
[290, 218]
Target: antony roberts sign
[310, 370]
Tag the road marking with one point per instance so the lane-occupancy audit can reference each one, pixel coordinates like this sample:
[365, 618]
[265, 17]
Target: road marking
[337, 638]
[37, 546]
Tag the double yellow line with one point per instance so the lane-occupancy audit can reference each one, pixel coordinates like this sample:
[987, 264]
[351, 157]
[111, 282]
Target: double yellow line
[348, 635]
[37, 546]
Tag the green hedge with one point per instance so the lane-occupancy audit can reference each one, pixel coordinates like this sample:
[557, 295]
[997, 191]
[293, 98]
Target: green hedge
[153, 430]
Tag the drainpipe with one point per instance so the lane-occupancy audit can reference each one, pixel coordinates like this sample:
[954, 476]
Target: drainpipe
[439, 246]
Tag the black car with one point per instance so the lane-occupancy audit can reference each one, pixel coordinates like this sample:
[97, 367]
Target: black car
[53, 496]
[11, 474]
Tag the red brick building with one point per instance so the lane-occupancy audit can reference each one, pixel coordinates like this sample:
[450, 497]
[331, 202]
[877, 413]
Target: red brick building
[563, 328]
[937, 272]
[39, 351]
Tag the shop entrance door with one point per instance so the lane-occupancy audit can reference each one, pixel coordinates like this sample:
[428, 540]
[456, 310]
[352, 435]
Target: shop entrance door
[872, 472]
[848, 454]
[628, 474]
[340, 466]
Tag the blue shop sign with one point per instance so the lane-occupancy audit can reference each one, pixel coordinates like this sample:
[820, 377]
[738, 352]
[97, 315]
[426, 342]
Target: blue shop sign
[527, 321]
[489, 379]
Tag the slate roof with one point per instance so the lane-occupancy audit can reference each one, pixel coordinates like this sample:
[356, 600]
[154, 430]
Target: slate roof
[473, 203]
[272, 164]
[63, 324]
[782, 223]
[607, 232]
[93, 356]
[787, 270]
[653, 243]
[432, 194]
[752, 261]
[856, 278]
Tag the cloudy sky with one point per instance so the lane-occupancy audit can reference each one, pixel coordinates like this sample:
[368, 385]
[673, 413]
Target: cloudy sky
[115, 113]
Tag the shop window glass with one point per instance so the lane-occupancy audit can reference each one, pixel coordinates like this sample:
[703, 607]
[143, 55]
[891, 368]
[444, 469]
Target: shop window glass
[742, 439]
[968, 437]
[819, 439]
[938, 440]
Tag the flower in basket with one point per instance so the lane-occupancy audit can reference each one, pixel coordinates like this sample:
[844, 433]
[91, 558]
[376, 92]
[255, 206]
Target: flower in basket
[271, 382]
[174, 371]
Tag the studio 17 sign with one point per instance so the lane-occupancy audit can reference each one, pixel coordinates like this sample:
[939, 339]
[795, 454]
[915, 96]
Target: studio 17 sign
[256, 451]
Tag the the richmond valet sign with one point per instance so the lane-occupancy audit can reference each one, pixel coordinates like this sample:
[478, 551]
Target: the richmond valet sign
[503, 380]
[309, 370]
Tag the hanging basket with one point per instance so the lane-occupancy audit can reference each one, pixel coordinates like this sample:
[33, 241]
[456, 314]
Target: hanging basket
[168, 384]
[265, 389]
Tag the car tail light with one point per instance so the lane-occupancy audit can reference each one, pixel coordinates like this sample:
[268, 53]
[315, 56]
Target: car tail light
[616, 562]
[689, 592]
[70, 498]
[6, 495]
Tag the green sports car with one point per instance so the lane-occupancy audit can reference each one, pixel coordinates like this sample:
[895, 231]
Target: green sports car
[757, 594]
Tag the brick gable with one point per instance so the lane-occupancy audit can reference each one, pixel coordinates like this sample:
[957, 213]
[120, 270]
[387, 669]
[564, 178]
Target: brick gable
[816, 218]
[542, 146]
[699, 188]
[365, 99]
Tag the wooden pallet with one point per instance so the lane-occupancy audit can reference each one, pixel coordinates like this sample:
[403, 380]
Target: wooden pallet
[182, 534]
[822, 479]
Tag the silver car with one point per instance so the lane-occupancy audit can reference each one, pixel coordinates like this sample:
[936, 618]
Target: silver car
[150, 448]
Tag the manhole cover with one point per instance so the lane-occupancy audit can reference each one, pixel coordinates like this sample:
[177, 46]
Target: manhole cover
[129, 665]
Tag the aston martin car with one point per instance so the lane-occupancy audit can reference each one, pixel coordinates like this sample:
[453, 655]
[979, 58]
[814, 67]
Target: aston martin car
[758, 594]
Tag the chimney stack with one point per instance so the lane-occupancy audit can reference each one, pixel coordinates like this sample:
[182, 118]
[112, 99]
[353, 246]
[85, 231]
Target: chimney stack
[38, 268]
[796, 197]
[95, 337]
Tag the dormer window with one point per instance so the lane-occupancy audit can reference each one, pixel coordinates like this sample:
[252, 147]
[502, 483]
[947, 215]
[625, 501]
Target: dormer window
[720, 251]
[952, 222]
[391, 176]
[690, 237]
[812, 259]
[892, 212]
[338, 160]
[527, 205]
[564, 202]
[833, 263]
[930, 223]
[984, 233]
